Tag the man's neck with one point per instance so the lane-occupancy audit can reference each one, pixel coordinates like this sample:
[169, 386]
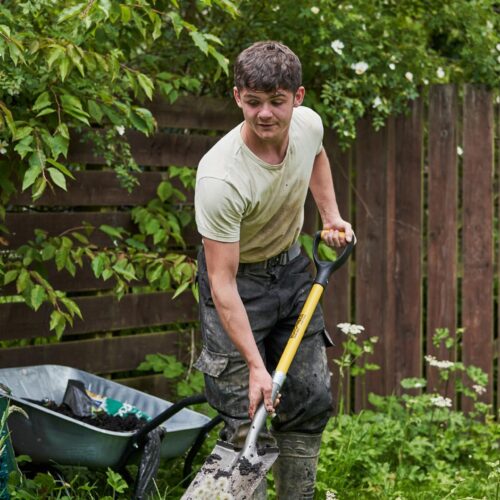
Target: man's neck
[272, 152]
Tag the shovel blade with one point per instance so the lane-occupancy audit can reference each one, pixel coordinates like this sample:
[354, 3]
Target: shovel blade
[228, 475]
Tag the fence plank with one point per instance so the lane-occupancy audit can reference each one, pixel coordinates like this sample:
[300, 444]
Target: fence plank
[477, 283]
[23, 224]
[104, 355]
[407, 276]
[442, 219]
[210, 113]
[100, 313]
[371, 268]
[337, 297]
[160, 150]
[96, 189]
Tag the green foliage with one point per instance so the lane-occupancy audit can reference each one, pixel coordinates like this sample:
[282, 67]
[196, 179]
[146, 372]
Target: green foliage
[402, 450]
[372, 56]
[67, 65]
[187, 382]
[144, 259]
[413, 446]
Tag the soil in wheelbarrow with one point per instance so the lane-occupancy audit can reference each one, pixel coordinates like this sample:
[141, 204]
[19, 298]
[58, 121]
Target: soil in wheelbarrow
[104, 421]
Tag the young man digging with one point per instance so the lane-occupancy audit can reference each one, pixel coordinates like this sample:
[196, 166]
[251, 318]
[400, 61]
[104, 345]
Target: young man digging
[249, 200]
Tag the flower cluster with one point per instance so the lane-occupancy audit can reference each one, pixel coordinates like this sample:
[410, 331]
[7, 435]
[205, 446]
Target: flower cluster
[441, 402]
[350, 329]
[443, 365]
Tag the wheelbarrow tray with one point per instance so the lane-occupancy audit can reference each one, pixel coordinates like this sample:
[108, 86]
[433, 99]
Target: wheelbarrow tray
[50, 437]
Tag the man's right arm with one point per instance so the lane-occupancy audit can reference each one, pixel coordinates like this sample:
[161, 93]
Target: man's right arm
[222, 266]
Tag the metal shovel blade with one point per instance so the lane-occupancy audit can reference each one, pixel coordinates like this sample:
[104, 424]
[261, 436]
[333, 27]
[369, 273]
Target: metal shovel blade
[229, 474]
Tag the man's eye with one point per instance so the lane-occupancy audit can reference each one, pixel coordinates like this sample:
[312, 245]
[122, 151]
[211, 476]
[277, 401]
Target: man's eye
[277, 103]
[253, 103]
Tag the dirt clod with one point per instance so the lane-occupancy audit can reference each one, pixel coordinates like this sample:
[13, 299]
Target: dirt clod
[246, 467]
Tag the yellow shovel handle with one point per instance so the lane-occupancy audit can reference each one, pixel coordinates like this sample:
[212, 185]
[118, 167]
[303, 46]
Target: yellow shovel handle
[300, 328]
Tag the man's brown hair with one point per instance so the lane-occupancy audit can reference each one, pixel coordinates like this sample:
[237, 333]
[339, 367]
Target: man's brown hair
[267, 66]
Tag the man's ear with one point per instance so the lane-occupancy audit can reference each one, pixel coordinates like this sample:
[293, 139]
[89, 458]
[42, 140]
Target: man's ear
[237, 97]
[299, 97]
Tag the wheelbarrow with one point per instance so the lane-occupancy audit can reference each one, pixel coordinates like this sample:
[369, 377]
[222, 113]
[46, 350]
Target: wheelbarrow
[51, 438]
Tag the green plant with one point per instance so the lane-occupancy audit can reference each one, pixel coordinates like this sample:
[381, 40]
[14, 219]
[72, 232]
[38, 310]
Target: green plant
[350, 363]
[413, 446]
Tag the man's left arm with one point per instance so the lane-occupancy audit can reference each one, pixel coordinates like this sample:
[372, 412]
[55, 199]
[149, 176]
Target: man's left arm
[323, 191]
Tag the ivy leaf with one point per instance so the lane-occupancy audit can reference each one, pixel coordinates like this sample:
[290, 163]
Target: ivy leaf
[180, 289]
[98, 265]
[61, 167]
[200, 41]
[177, 22]
[23, 280]
[164, 190]
[95, 111]
[31, 175]
[10, 276]
[42, 101]
[38, 295]
[58, 178]
[146, 84]
[70, 12]
[114, 232]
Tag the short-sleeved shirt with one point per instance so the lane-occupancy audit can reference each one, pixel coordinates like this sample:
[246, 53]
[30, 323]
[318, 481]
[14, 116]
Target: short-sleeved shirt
[239, 197]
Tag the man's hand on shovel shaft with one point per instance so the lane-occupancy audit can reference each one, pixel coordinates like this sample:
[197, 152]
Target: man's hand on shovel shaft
[260, 386]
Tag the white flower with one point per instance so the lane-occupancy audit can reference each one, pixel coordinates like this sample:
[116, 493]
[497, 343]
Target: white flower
[426, 82]
[330, 495]
[440, 73]
[438, 364]
[498, 47]
[441, 402]
[392, 66]
[497, 100]
[275, 8]
[377, 102]
[315, 10]
[479, 389]
[460, 151]
[2, 151]
[120, 129]
[337, 46]
[498, 59]
[409, 76]
[359, 67]
[350, 329]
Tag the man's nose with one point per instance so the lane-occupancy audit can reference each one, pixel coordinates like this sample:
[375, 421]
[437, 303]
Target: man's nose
[265, 112]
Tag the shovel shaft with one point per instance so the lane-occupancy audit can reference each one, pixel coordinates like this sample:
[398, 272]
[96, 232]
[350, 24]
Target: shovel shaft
[300, 328]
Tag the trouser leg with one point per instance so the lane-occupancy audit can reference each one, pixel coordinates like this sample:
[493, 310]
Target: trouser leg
[295, 469]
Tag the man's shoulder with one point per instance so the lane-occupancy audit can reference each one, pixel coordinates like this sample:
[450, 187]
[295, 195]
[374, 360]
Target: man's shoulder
[306, 115]
[215, 161]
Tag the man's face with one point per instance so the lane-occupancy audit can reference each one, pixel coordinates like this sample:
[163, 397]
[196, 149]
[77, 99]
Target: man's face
[268, 114]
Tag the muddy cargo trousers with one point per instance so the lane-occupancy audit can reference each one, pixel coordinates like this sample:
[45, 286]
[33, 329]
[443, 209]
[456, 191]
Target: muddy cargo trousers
[273, 293]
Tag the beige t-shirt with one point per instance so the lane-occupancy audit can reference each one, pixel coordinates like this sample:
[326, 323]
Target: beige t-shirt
[239, 197]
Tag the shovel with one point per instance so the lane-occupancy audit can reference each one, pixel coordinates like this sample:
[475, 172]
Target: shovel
[232, 474]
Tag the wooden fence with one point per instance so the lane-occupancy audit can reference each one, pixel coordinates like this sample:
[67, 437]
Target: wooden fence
[425, 216]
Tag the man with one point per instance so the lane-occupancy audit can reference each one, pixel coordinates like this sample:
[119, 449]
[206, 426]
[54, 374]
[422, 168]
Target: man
[249, 201]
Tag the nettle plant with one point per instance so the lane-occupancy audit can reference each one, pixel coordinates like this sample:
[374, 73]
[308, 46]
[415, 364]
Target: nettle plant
[76, 70]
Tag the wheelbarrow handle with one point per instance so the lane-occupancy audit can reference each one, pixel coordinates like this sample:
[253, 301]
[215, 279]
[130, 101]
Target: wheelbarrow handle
[325, 268]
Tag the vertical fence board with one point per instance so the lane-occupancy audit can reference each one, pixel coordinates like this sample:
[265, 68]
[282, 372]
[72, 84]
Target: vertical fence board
[407, 277]
[477, 283]
[336, 301]
[442, 219]
[371, 226]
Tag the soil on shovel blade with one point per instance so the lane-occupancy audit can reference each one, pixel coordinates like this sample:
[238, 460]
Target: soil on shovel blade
[104, 421]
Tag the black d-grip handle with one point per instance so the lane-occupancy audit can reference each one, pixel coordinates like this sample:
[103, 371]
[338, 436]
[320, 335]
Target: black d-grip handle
[325, 268]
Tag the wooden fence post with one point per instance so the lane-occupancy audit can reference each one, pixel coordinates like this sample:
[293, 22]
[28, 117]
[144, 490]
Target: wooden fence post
[477, 235]
[442, 220]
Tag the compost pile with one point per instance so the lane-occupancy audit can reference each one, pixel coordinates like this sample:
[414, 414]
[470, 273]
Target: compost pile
[101, 420]
[96, 410]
